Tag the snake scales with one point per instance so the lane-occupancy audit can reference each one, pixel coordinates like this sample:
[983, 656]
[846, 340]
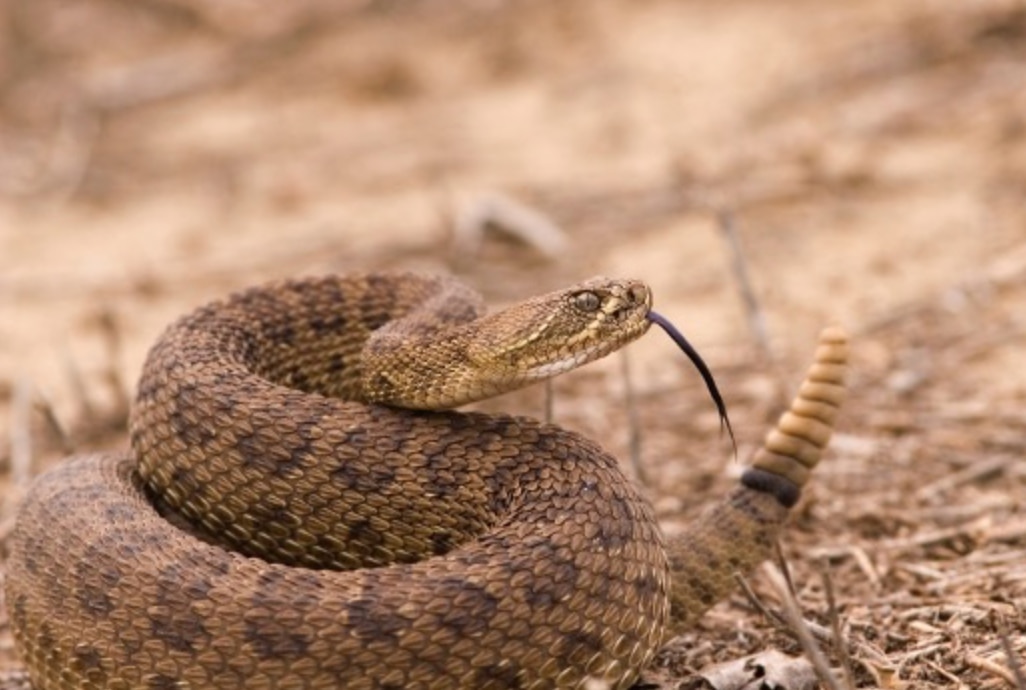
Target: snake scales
[490, 551]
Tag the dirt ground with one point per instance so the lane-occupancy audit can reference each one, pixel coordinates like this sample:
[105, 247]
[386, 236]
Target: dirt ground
[861, 163]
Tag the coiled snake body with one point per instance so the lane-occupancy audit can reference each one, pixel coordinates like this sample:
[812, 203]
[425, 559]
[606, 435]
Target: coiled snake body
[367, 546]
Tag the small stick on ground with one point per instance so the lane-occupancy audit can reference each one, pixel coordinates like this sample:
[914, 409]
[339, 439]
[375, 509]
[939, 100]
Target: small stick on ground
[772, 616]
[1014, 662]
[951, 677]
[499, 213]
[785, 569]
[777, 620]
[968, 475]
[835, 625]
[633, 421]
[993, 668]
[801, 629]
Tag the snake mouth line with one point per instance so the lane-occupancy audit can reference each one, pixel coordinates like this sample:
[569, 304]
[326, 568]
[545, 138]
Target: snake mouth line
[561, 366]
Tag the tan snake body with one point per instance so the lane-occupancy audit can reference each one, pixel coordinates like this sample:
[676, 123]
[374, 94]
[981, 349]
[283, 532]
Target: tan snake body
[482, 551]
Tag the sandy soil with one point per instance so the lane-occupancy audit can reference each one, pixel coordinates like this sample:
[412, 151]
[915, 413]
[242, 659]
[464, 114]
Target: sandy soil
[870, 159]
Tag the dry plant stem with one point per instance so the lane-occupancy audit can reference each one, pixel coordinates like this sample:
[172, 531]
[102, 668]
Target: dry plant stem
[53, 423]
[1014, 662]
[947, 674]
[69, 161]
[965, 476]
[993, 668]
[739, 265]
[633, 421]
[840, 644]
[801, 629]
[21, 433]
[515, 219]
[772, 616]
[777, 620]
[79, 390]
[922, 653]
[974, 530]
[112, 339]
[785, 569]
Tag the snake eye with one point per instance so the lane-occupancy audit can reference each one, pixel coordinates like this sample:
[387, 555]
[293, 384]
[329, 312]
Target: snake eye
[587, 301]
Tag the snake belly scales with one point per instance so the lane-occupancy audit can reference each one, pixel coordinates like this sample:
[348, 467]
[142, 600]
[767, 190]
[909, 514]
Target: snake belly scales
[286, 520]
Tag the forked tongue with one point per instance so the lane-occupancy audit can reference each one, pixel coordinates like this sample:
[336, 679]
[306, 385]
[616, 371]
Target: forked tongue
[710, 382]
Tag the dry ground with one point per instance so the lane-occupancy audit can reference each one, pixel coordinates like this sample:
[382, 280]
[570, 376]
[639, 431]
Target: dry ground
[870, 157]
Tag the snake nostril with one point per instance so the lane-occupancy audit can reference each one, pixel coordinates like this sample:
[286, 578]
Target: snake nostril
[638, 294]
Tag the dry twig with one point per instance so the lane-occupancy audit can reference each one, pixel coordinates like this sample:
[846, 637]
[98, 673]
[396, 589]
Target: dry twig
[515, 219]
[993, 668]
[112, 338]
[756, 317]
[835, 627]
[1014, 662]
[53, 423]
[801, 628]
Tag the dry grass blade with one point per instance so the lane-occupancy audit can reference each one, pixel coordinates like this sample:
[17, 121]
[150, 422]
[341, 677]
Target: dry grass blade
[739, 266]
[835, 627]
[21, 433]
[111, 333]
[78, 386]
[993, 668]
[776, 619]
[53, 423]
[968, 475]
[1014, 661]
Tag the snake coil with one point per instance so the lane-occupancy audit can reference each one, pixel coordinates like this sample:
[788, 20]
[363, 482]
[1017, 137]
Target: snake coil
[280, 525]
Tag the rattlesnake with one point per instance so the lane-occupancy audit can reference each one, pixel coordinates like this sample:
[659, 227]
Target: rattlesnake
[478, 551]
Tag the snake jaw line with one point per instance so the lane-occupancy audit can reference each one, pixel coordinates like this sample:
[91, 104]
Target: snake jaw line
[560, 366]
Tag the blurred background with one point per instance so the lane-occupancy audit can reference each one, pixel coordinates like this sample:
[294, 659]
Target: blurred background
[769, 167]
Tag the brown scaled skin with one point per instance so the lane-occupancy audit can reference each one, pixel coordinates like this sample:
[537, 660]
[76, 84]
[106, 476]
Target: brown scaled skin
[512, 554]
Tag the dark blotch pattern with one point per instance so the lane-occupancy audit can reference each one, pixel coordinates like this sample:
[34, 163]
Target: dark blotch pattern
[272, 529]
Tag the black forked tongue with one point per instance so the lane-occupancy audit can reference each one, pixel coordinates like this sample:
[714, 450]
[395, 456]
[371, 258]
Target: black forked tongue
[707, 376]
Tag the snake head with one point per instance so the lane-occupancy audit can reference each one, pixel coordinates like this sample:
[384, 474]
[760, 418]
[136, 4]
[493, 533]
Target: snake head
[554, 333]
